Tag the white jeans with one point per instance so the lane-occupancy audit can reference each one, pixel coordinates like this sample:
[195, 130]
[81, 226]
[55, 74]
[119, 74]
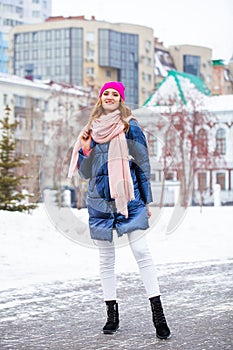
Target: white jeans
[142, 254]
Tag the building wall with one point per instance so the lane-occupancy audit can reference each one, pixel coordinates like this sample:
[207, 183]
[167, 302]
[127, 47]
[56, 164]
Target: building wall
[91, 72]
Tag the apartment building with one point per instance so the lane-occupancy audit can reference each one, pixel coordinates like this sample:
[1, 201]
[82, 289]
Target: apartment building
[18, 12]
[163, 61]
[192, 59]
[47, 114]
[222, 78]
[230, 65]
[211, 136]
[86, 53]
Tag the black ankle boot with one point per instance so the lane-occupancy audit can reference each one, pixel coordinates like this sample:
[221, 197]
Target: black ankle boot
[112, 323]
[159, 320]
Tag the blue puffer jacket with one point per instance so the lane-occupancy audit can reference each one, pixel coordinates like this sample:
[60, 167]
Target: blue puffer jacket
[103, 217]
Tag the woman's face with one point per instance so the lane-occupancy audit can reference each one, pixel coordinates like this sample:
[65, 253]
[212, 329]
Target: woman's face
[110, 100]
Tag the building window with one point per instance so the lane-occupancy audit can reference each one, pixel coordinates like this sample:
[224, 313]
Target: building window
[152, 144]
[220, 179]
[90, 54]
[108, 73]
[58, 52]
[35, 36]
[35, 54]
[18, 55]
[26, 55]
[48, 35]
[131, 56]
[147, 78]
[67, 34]
[18, 119]
[148, 45]
[191, 64]
[36, 14]
[152, 177]
[201, 177]
[57, 70]
[169, 176]
[221, 141]
[202, 143]
[46, 106]
[18, 38]
[26, 37]
[48, 53]
[48, 71]
[20, 101]
[90, 71]
[57, 34]
[5, 99]
[170, 142]
[8, 8]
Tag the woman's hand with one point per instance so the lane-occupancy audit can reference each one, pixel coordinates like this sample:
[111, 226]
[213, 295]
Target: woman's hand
[85, 139]
[149, 212]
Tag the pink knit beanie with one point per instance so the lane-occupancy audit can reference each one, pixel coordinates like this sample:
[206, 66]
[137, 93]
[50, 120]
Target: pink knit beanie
[116, 85]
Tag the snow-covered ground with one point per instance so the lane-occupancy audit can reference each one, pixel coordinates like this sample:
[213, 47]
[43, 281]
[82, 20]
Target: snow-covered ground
[33, 250]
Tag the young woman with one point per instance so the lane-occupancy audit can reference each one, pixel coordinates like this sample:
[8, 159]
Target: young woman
[111, 151]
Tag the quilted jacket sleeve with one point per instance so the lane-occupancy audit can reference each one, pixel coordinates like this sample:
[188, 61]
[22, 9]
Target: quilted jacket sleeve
[85, 162]
[84, 165]
[138, 149]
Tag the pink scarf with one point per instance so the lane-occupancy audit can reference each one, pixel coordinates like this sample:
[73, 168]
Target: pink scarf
[110, 128]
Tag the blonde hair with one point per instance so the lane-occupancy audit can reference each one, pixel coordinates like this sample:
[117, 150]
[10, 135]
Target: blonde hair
[98, 111]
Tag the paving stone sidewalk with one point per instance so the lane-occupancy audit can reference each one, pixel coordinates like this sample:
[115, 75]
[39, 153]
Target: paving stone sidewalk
[69, 315]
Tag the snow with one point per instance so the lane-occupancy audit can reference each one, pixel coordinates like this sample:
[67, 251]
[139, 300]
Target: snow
[169, 91]
[8, 78]
[42, 84]
[34, 251]
[221, 103]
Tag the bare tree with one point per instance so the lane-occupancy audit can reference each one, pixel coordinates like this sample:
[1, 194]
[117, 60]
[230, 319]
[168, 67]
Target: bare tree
[186, 146]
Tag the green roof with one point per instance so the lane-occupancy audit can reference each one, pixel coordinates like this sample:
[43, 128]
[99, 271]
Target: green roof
[218, 63]
[178, 76]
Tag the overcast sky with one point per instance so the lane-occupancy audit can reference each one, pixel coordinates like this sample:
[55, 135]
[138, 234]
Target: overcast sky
[197, 22]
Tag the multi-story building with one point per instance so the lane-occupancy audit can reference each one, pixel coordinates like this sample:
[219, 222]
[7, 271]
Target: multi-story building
[211, 138]
[45, 113]
[86, 53]
[196, 60]
[230, 65]
[222, 107]
[42, 111]
[163, 62]
[17, 12]
[222, 78]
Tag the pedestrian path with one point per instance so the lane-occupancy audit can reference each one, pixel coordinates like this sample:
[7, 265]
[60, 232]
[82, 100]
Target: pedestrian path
[69, 315]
